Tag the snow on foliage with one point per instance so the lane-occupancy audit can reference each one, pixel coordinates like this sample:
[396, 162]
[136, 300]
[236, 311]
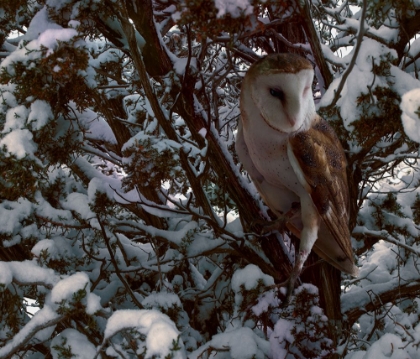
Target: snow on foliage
[70, 340]
[161, 336]
[126, 217]
[233, 8]
[410, 106]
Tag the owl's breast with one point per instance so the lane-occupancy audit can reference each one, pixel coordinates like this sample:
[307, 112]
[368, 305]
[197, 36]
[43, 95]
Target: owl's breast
[268, 152]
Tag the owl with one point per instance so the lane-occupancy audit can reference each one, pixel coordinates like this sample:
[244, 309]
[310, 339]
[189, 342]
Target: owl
[293, 156]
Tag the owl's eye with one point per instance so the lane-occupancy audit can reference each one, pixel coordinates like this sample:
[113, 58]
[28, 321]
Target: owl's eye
[278, 94]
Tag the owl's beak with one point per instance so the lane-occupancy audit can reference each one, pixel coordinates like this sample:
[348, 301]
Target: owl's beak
[292, 120]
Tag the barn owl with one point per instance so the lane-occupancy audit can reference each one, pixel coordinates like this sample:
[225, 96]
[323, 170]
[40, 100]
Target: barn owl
[293, 156]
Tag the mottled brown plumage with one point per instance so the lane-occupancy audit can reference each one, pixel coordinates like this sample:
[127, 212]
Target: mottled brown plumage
[327, 185]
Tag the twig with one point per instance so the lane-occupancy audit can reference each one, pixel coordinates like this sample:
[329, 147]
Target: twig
[117, 270]
[360, 35]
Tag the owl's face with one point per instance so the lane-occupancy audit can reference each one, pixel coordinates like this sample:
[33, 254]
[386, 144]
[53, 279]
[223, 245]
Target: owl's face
[284, 100]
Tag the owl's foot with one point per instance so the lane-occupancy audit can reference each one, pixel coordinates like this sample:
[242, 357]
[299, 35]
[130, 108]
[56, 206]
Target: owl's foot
[282, 223]
[263, 227]
[294, 277]
[277, 225]
[289, 284]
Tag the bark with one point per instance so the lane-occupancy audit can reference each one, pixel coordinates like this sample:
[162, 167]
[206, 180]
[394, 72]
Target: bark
[409, 28]
[410, 290]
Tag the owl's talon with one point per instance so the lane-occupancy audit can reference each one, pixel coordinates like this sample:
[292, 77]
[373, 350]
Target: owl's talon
[289, 284]
[277, 225]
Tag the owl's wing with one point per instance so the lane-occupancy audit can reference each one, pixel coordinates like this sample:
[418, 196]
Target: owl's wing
[243, 154]
[322, 171]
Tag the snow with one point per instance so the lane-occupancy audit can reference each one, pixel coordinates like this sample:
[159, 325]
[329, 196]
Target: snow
[7, 97]
[389, 346]
[65, 288]
[281, 338]
[159, 330]
[15, 118]
[41, 32]
[180, 64]
[80, 346]
[40, 114]
[29, 272]
[162, 301]
[6, 275]
[40, 23]
[242, 343]
[203, 132]
[265, 301]
[95, 186]
[20, 143]
[12, 213]
[42, 320]
[410, 107]
[248, 277]
[57, 248]
[199, 280]
[45, 210]
[74, 24]
[79, 202]
[234, 8]
[49, 38]
[93, 303]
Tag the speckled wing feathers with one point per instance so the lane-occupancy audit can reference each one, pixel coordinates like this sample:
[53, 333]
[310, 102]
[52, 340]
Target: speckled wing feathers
[323, 164]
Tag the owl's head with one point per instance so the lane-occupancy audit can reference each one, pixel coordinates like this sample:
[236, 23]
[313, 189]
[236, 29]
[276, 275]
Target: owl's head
[280, 86]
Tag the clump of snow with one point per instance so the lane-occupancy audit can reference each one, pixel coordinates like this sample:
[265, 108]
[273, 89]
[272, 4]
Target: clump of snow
[248, 277]
[180, 64]
[12, 213]
[203, 132]
[40, 114]
[15, 118]
[363, 80]
[78, 343]
[410, 107]
[93, 303]
[7, 97]
[41, 33]
[242, 343]
[98, 185]
[74, 24]
[159, 331]
[65, 288]
[40, 23]
[6, 275]
[63, 293]
[234, 8]
[79, 202]
[20, 143]
[29, 272]
[266, 301]
[18, 139]
[57, 248]
[199, 280]
[162, 301]
[381, 263]
[389, 346]
[41, 323]
[281, 338]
